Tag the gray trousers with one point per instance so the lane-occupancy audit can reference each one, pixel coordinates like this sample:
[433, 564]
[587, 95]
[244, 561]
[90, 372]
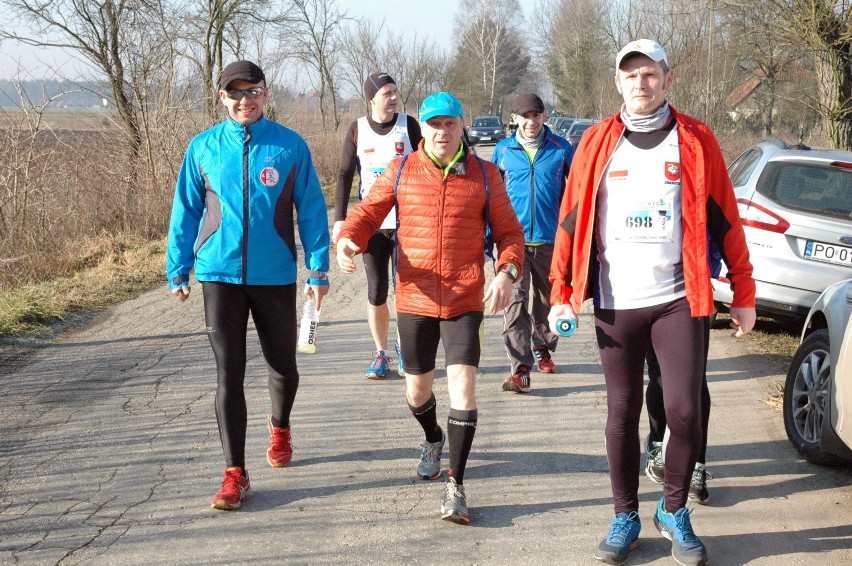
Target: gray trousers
[524, 330]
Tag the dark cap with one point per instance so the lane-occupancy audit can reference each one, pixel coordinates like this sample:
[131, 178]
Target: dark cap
[241, 70]
[528, 102]
[376, 81]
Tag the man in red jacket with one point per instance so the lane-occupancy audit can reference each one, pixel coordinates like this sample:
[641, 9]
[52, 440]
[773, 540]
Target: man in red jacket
[444, 197]
[646, 187]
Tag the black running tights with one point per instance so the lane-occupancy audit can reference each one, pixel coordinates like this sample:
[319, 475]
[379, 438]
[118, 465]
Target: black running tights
[226, 310]
[623, 337]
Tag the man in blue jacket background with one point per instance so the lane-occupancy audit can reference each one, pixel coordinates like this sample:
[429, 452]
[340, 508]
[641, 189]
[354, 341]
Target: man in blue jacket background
[534, 163]
[233, 222]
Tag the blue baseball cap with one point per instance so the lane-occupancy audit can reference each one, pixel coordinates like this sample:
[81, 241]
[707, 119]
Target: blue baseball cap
[440, 104]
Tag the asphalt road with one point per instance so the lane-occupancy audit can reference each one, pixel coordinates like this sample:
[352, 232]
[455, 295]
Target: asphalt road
[110, 454]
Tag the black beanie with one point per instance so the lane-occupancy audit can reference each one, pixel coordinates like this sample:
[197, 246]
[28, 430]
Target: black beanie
[376, 81]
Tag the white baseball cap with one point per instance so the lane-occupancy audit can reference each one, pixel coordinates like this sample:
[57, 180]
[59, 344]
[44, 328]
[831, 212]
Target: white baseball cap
[647, 47]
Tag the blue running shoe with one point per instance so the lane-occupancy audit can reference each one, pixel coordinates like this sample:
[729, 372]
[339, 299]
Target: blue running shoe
[400, 370]
[379, 368]
[687, 550]
[622, 538]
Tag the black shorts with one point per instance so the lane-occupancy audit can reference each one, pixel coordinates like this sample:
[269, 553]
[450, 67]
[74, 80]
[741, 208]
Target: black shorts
[377, 258]
[419, 336]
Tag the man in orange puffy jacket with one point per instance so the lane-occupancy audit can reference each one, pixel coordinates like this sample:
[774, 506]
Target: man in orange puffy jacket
[444, 197]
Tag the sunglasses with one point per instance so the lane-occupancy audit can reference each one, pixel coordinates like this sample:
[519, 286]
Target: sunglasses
[251, 93]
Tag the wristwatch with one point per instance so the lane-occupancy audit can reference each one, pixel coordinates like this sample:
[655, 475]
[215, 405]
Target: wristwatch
[317, 274]
[511, 270]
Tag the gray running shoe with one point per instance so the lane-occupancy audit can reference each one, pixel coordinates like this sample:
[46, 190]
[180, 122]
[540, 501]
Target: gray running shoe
[654, 461]
[454, 507]
[429, 467]
[698, 486]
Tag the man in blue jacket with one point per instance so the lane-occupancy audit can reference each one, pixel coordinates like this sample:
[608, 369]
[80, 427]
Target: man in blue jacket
[534, 163]
[233, 221]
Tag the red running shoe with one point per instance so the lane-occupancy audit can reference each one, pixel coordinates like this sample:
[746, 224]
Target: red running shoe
[280, 452]
[235, 488]
[545, 364]
[519, 382]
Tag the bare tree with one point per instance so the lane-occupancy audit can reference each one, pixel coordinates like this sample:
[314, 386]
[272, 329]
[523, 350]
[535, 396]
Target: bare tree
[360, 46]
[579, 60]
[416, 64]
[824, 27]
[218, 28]
[98, 32]
[491, 56]
[316, 35]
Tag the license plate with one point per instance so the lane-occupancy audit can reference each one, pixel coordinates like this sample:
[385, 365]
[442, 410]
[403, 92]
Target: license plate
[828, 253]
[485, 137]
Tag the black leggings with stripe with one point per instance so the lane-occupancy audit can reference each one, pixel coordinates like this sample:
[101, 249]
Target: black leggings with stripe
[226, 311]
[623, 337]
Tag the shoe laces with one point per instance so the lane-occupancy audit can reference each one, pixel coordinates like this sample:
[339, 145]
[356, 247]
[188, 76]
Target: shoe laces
[620, 528]
[455, 491]
[700, 477]
[231, 483]
[380, 359]
[280, 438]
[430, 451]
[684, 526]
[656, 455]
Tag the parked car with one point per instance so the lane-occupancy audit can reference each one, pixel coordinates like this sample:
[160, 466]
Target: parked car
[575, 132]
[796, 206]
[561, 125]
[818, 390]
[485, 129]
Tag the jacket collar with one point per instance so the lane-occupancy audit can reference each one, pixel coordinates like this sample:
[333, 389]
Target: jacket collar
[254, 128]
[515, 144]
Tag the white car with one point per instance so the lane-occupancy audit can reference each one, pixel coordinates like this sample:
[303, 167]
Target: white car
[818, 390]
[796, 207]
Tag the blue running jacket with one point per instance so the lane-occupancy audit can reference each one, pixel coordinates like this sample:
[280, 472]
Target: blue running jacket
[233, 212]
[535, 188]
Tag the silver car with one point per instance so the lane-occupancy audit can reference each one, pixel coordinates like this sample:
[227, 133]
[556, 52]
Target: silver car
[796, 207]
[818, 391]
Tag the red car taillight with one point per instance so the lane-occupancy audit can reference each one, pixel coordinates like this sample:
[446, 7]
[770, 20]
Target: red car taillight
[756, 216]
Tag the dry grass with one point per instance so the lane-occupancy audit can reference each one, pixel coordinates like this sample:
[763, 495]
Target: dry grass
[776, 340]
[110, 270]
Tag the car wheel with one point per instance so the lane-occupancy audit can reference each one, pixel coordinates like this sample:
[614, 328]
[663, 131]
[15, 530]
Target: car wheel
[806, 397]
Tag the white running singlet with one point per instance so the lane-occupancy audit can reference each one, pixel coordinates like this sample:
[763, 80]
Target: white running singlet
[639, 232]
[376, 151]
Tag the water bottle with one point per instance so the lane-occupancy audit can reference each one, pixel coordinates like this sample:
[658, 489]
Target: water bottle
[565, 326]
[308, 328]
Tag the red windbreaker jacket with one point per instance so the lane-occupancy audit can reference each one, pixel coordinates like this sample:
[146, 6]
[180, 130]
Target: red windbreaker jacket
[708, 203]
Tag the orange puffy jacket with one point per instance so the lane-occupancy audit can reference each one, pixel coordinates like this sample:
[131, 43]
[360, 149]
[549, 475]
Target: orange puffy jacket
[440, 267]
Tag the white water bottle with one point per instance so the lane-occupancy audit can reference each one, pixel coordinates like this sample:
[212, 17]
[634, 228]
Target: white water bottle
[308, 328]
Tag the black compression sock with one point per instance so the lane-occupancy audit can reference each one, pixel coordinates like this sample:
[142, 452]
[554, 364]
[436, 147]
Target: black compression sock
[428, 419]
[461, 426]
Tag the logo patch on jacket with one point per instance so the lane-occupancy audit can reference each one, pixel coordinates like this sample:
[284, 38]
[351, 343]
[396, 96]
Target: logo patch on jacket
[269, 176]
[399, 147]
[672, 171]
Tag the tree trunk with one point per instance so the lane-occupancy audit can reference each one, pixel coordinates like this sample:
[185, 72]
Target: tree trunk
[835, 81]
